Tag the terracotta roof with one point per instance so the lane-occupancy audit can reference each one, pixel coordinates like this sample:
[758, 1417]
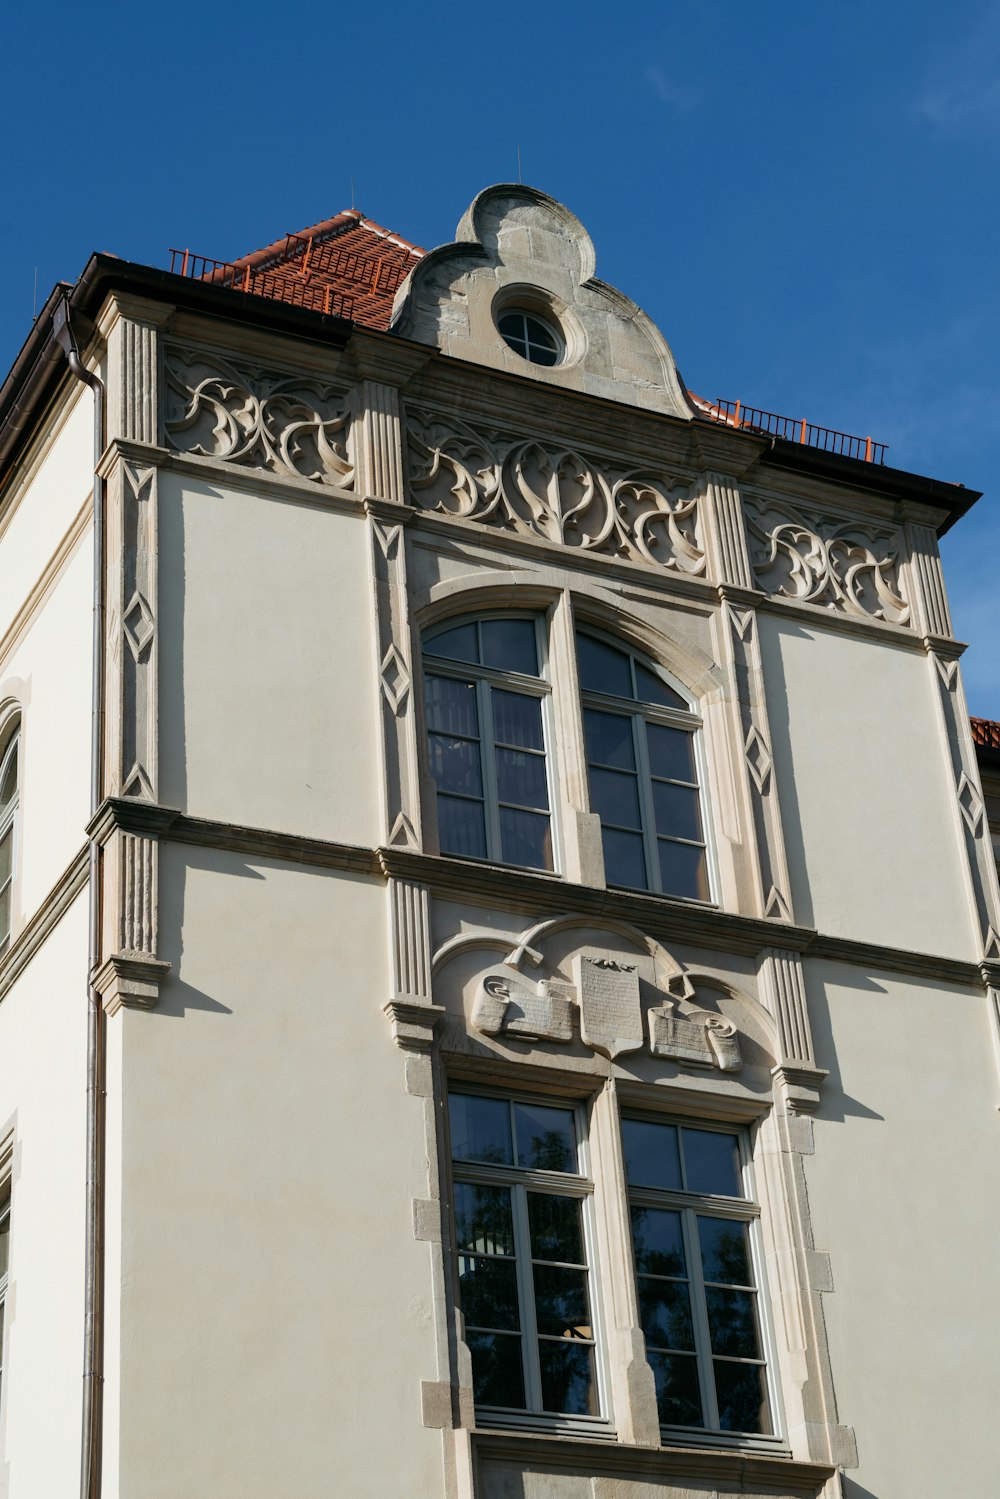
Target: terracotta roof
[348, 265]
[985, 733]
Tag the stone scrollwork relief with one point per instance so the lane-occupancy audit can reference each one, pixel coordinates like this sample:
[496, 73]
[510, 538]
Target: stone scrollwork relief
[851, 566]
[286, 423]
[554, 492]
[617, 1003]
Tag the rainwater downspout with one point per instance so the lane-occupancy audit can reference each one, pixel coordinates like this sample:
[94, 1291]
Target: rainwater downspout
[93, 1349]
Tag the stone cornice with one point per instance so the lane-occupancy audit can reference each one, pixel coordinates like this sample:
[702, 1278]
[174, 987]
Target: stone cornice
[740, 1472]
[519, 890]
[43, 922]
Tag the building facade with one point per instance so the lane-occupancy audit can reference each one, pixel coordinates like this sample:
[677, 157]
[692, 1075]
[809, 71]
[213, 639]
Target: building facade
[498, 960]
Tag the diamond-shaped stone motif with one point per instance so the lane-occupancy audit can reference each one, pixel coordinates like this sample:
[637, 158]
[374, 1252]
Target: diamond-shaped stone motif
[758, 758]
[395, 678]
[971, 804]
[138, 623]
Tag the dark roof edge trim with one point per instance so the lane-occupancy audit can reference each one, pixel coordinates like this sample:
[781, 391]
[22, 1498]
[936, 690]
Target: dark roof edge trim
[40, 366]
[897, 483]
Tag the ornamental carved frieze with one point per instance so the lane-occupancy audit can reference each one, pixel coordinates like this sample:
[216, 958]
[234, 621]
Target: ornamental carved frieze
[242, 413]
[542, 488]
[851, 566]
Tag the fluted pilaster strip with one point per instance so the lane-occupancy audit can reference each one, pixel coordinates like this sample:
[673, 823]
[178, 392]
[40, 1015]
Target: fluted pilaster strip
[784, 991]
[726, 541]
[927, 581]
[380, 459]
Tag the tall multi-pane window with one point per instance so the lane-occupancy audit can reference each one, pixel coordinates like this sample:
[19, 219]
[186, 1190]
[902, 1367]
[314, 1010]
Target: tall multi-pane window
[522, 1198]
[9, 760]
[4, 1260]
[486, 699]
[642, 767]
[699, 1302]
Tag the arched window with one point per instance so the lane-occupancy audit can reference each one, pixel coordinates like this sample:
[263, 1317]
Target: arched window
[642, 767]
[485, 697]
[8, 818]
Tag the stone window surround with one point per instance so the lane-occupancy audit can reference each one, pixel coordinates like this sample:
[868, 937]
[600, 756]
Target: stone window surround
[561, 610]
[11, 733]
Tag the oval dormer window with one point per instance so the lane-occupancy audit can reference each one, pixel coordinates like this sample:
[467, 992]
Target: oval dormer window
[530, 336]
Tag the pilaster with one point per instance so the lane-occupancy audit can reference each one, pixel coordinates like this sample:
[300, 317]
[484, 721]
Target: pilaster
[410, 1007]
[725, 534]
[783, 992]
[926, 587]
[132, 971]
[742, 648]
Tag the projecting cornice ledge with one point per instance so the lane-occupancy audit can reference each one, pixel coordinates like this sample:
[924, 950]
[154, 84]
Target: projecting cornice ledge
[661, 916]
[503, 1453]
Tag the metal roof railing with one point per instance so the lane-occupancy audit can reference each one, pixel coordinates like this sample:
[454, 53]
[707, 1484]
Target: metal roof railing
[279, 283]
[797, 429]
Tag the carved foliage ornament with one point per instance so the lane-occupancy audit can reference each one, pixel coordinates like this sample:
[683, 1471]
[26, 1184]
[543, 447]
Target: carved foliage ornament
[546, 490]
[286, 423]
[850, 566]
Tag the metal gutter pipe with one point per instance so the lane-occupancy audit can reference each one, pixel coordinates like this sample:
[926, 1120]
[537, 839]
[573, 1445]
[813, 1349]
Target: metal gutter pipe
[93, 1350]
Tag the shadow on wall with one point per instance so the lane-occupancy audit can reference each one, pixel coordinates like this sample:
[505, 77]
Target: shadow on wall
[176, 997]
[853, 1490]
[835, 1103]
[784, 774]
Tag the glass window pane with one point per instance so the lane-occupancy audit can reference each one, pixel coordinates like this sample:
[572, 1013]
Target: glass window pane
[653, 689]
[539, 355]
[455, 764]
[511, 325]
[741, 1390]
[510, 645]
[712, 1162]
[678, 1398]
[488, 1292]
[602, 668]
[678, 811]
[658, 1242]
[671, 753]
[609, 739]
[546, 1137]
[517, 719]
[480, 1129]
[461, 827]
[732, 1319]
[651, 1154]
[9, 788]
[5, 894]
[460, 643]
[725, 1253]
[521, 778]
[539, 334]
[683, 870]
[483, 1223]
[562, 1307]
[451, 706]
[624, 859]
[497, 1372]
[4, 1243]
[6, 856]
[569, 1377]
[556, 1228]
[665, 1313]
[525, 839]
[614, 796]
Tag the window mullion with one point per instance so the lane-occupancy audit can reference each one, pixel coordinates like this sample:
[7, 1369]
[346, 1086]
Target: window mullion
[488, 764]
[526, 1299]
[646, 805]
[699, 1311]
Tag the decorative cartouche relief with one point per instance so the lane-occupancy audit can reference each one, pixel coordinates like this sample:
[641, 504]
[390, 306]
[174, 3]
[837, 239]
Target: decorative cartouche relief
[604, 1004]
[240, 413]
[541, 488]
[852, 566]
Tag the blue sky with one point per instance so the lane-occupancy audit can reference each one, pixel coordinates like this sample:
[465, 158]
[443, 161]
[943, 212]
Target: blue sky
[803, 197]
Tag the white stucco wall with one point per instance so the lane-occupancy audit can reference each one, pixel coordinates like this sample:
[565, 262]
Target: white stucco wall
[905, 1197]
[52, 491]
[867, 805]
[43, 1020]
[266, 676]
[276, 1304]
[50, 672]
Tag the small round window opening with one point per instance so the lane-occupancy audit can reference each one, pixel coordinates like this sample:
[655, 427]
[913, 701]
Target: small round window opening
[530, 337]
